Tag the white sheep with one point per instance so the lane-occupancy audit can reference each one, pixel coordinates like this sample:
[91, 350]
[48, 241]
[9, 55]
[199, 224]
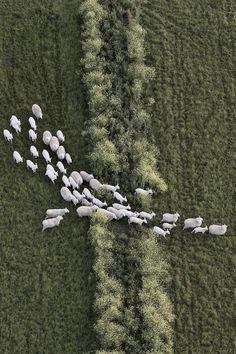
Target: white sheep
[159, 231]
[167, 226]
[135, 220]
[129, 213]
[111, 188]
[87, 193]
[61, 167]
[68, 158]
[98, 202]
[74, 200]
[121, 206]
[66, 194]
[32, 135]
[148, 216]
[86, 177]
[119, 213]
[86, 210]
[73, 184]
[143, 191]
[77, 178]
[109, 214]
[51, 168]
[47, 136]
[54, 143]
[46, 156]
[60, 136]
[49, 223]
[32, 123]
[66, 181]
[17, 157]
[49, 173]
[119, 197]
[61, 152]
[53, 213]
[201, 230]
[78, 195]
[191, 223]
[95, 184]
[167, 217]
[7, 135]
[86, 202]
[34, 152]
[217, 229]
[15, 123]
[37, 111]
[31, 165]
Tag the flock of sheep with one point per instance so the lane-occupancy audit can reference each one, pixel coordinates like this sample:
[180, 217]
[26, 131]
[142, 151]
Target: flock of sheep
[88, 202]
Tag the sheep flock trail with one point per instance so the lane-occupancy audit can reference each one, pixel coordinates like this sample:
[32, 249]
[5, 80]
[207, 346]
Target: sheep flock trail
[92, 286]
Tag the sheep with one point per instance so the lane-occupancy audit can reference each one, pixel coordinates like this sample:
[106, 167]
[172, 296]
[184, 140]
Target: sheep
[200, 230]
[34, 151]
[15, 123]
[78, 195]
[49, 223]
[119, 213]
[46, 156]
[61, 152]
[17, 157]
[119, 197]
[86, 210]
[61, 167]
[135, 220]
[77, 178]
[66, 194]
[49, 173]
[167, 226]
[74, 200]
[32, 123]
[95, 184]
[87, 193]
[54, 143]
[53, 213]
[86, 202]
[111, 188]
[129, 213]
[170, 217]
[73, 184]
[37, 111]
[68, 158]
[7, 135]
[60, 136]
[109, 214]
[217, 229]
[32, 135]
[191, 223]
[160, 232]
[145, 215]
[31, 165]
[51, 168]
[47, 136]
[99, 203]
[86, 177]
[143, 191]
[66, 181]
[121, 206]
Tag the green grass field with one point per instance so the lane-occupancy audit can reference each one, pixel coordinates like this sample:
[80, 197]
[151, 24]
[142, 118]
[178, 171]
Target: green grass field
[46, 292]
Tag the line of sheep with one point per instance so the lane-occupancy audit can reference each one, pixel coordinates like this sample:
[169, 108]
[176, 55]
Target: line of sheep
[89, 203]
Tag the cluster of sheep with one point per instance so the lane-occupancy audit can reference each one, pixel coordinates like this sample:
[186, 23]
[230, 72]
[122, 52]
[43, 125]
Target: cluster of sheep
[89, 203]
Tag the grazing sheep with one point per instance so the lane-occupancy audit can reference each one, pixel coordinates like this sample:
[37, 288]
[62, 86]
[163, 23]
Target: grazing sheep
[145, 215]
[66, 181]
[17, 157]
[49, 173]
[47, 136]
[32, 123]
[159, 231]
[78, 195]
[135, 220]
[31, 165]
[86, 177]
[7, 135]
[49, 223]
[109, 214]
[86, 210]
[34, 151]
[60, 136]
[129, 213]
[86, 202]
[87, 193]
[68, 158]
[15, 123]
[99, 203]
[170, 217]
[111, 188]
[143, 191]
[217, 229]
[73, 184]
[61, 152]
[74, 200]
[32, 135]
[167, 226]
[46, 156]
[95, 184]
[54, 143]
[119, 213]
[191, 223]
[51, 168]
[201, 230]
[66, 194]
[119, 197]
[77, 178]
[121, 206]
[37, 111]
[61, 167]
[53, 213]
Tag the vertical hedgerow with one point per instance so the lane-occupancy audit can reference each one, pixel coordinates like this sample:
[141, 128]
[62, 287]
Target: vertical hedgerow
[109, 294]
